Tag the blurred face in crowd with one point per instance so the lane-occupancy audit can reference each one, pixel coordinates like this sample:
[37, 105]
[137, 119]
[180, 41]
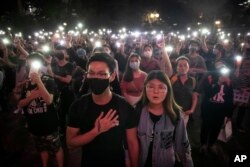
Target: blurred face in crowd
[216, 51]
[147, 52]
[182, 67]
[193, 47]
[156, 91]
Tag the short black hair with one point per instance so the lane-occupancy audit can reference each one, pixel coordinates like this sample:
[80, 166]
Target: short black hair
[182, 58]
[147, 45]
[103, 57]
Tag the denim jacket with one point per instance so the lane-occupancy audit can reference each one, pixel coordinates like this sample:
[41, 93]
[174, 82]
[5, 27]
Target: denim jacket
[165, 145]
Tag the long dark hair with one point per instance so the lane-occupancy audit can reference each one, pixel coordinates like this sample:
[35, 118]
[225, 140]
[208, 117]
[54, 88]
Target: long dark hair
[171, 108]
[128, 74]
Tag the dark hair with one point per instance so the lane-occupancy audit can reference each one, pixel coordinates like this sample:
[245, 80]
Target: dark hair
[147, 45]
[58, 54]
[220, 47]
[194, 41]
[182, 58]
[128, 74]
[171, 108]
[102, 57]
[107, 46]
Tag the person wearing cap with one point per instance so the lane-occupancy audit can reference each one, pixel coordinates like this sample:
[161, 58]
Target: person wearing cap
[37, 104]
[82, 58]
[216, 104]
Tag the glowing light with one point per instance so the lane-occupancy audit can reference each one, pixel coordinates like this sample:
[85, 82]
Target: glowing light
[57, 35]
[62, 42]
[136, 33]
[65, 24]
[85, 31]
[45, 48]
[182, 37]
[118, 44]
[188, 28]
[153, 32]
[80, 25]
[61, 28]
[226, 41]
[222, 37]
[217, 22]
[6, 41]
[36, 65]
[169, 48]
[205, 31]
[98, 44]
[158, 36]
[238, 58]
[195, 34]
[224, 71]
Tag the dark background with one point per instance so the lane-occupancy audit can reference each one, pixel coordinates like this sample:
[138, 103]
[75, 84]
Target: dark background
[34, 14]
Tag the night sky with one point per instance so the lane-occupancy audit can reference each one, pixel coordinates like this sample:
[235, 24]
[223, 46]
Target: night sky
[114, 13]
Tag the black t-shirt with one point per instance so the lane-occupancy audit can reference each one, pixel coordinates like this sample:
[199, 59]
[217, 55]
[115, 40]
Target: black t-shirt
[217, 99]
[107, 149]
[41, 118]
[155, 119]
[63, 71]
[183, 92]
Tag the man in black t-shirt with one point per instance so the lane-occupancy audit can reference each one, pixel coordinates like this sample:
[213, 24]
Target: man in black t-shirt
[102, 120]
[42, 120]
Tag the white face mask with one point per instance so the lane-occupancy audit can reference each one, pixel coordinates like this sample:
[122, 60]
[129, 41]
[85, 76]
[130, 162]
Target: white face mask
[134, 65]
[147, 54]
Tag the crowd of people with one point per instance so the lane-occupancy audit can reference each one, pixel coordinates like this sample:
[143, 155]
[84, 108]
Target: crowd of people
[126, 101]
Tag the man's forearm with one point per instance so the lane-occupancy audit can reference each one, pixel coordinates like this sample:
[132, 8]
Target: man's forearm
[82, 139]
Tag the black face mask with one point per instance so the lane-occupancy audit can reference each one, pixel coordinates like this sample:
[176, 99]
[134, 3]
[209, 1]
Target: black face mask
[97, 85]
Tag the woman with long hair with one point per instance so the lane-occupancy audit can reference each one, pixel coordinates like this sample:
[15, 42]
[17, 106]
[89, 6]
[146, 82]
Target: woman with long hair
[162, 134]
[133, 78]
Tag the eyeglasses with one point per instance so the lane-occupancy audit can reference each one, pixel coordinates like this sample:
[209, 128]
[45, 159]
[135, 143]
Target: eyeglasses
[91, 74]
[160, 88]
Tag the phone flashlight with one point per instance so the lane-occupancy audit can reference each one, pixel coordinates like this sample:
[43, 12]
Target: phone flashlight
[169, 48]
[6, 41]
[45, 48]
[35, 66]
[224, 71]
[238, 58]
[118, 44]
[98, 44]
